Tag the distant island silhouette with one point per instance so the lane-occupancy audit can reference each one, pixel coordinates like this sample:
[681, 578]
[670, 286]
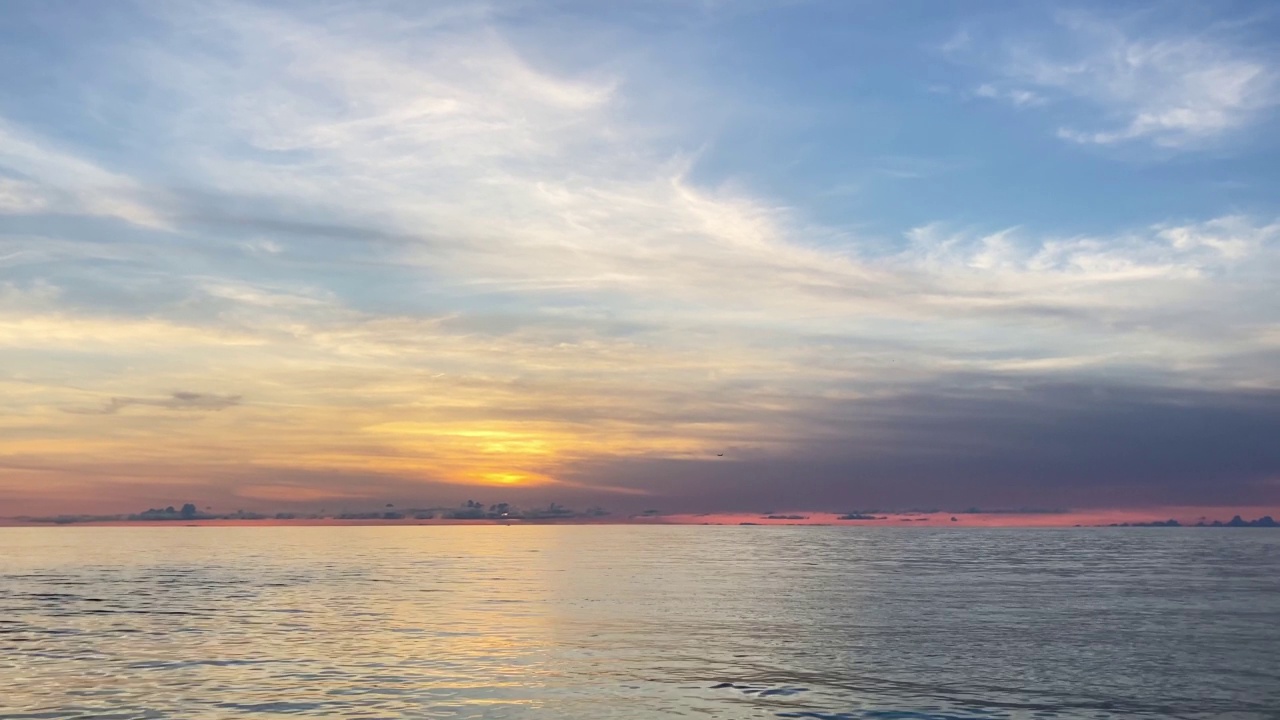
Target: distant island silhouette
[1236, 521]
[473, 511]
[469, 510]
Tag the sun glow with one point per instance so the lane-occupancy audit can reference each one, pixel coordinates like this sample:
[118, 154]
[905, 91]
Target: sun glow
[505, 478]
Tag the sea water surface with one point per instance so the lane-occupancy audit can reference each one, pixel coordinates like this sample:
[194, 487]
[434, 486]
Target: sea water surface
[639, 622]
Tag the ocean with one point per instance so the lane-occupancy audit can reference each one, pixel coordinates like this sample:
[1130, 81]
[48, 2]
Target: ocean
[639, 622]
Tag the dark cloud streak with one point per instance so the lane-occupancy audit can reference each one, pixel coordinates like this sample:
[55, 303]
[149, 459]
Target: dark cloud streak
[181, 400]
[1070, 444]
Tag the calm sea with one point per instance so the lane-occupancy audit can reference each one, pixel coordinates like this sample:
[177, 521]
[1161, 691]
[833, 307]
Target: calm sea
[639, 622]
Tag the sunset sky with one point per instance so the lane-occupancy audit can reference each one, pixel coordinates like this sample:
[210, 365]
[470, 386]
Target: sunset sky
[697, 256]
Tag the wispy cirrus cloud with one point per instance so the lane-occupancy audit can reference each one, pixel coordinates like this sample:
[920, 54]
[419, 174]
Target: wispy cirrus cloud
[52, 178]
[1174, 89]
[1014, 96]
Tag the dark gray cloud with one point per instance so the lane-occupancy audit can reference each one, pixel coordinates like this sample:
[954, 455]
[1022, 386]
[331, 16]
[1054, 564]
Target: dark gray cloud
[181, 400]
[1067, 444]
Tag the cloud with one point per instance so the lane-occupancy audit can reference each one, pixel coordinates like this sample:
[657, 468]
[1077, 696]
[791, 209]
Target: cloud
[1171, 89]
[1231, 237]
[56, 178]
[1014, 96]
[180, 400]
[993, 441]
[18, 197]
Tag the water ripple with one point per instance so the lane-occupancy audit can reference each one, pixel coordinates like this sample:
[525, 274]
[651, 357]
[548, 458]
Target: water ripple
[638, 622]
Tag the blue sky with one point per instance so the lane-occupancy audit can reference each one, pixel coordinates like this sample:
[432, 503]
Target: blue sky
[340, 252]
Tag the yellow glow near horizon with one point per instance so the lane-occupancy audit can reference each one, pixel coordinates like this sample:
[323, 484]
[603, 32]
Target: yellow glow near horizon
[505, 478]
[482, 440]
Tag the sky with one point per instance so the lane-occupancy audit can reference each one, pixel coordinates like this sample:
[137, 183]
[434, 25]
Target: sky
[699, 256]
